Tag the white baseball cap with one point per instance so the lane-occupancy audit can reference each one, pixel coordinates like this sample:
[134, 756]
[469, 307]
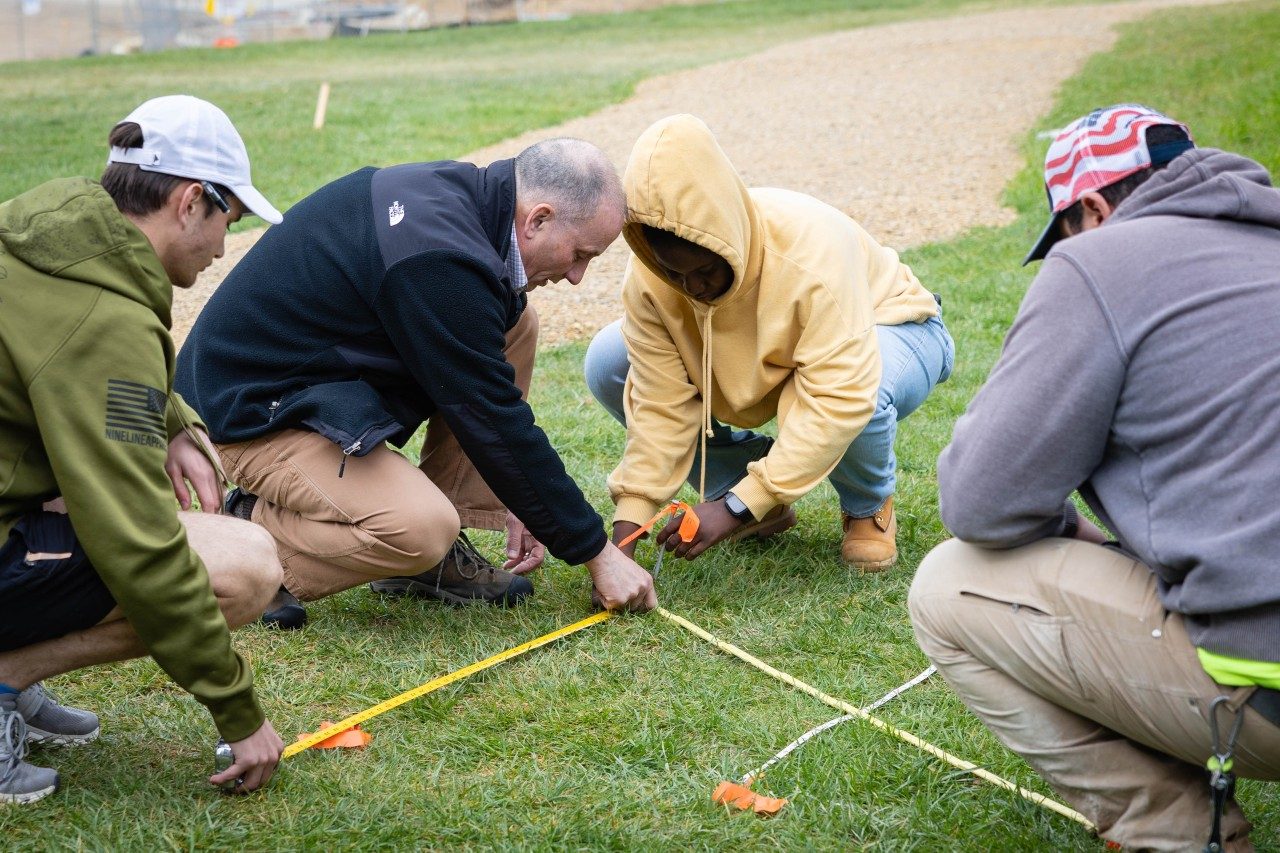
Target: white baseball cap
[190, 138]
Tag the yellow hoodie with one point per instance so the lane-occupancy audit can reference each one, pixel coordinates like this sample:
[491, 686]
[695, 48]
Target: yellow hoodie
[793, 337]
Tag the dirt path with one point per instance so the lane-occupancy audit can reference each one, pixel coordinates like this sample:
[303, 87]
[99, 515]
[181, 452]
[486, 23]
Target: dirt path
[912, 129]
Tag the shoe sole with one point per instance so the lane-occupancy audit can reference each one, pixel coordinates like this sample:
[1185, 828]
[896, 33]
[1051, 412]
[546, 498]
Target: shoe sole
[40, 736]
[786, 521]
[399, 589]
[29, 797]
[281, 622]
[871, 568]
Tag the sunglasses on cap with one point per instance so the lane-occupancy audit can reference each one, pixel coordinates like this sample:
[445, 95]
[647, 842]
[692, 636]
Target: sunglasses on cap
[216, 197]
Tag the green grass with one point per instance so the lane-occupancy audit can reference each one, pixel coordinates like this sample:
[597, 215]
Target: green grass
[614, 738]
[397, 97]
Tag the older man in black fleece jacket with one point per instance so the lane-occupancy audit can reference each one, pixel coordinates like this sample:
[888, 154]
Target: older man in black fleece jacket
[388, 298]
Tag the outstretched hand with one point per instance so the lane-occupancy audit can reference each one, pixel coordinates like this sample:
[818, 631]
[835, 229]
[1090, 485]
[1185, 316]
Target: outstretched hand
[716, 523]
[255, 762]
[187, 463]
[524, 552]
[619, 583]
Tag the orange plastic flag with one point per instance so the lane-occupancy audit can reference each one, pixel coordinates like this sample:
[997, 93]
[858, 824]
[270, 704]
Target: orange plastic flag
[352, 738]
[689, 521]
[742, 797]
[688, 528]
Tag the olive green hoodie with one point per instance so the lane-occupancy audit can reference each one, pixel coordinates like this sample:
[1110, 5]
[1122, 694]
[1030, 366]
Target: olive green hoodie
[793, 337]
[87, 411]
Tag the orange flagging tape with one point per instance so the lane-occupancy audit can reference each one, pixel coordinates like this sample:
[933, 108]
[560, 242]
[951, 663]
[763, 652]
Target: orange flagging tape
[742, 797]
[689, 522]
[352, 738]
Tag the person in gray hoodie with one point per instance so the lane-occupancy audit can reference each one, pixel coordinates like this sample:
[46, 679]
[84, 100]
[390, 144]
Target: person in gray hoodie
[1142, 370]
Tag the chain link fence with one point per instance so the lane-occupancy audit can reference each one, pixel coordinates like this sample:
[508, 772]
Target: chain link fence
[49, 29]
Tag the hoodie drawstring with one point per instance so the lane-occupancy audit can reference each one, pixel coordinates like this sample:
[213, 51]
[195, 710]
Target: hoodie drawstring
[706, 404]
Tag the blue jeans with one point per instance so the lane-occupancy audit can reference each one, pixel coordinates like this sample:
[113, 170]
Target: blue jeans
[914, 357]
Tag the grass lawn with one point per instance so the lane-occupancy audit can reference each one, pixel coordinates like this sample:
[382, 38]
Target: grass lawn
[397, 98]
[615, 738]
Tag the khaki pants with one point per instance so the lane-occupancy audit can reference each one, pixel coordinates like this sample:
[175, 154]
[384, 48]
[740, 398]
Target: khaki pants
[1065, 652]
[383, 517]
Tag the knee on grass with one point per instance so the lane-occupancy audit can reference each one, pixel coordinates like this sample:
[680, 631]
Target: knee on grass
[245, 586]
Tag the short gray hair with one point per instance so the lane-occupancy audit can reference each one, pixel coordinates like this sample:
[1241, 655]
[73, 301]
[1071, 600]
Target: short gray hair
[571, 174]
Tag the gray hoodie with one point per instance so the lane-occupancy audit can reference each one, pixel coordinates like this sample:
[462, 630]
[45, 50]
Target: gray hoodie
[1143, 369]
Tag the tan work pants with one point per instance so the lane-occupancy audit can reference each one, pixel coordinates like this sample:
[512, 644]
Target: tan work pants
[1065, 652]
[383, 517]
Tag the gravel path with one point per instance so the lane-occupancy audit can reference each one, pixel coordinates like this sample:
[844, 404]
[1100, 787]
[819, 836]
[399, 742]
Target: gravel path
[911, 128]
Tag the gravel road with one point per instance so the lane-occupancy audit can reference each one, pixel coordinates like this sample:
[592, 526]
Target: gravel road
[910, 128]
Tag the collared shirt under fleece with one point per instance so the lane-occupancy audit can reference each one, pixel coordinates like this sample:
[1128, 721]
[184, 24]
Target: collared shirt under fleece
[793, 337]
[87, 412]
[1143, 370]
[382, 300]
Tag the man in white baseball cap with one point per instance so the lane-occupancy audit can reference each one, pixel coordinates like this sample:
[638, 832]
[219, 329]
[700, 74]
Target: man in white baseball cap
[96, 565]
[190, 138]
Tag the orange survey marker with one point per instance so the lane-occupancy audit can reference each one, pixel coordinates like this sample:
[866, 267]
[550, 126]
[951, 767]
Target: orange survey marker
[688, 522]
[742, 797]
[352, 738]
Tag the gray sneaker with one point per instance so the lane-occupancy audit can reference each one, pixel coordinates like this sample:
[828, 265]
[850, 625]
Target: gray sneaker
[54, 724]
[462, 577]
[20, 782]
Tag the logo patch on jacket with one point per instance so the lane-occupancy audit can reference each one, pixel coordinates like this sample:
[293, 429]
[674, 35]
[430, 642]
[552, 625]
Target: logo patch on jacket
[135, 413]
[395, 212]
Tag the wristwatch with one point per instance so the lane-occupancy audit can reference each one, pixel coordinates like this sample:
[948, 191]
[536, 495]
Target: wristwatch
[737, 508]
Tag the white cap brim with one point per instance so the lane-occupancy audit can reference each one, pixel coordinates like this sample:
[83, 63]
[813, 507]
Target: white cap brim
[257, 204]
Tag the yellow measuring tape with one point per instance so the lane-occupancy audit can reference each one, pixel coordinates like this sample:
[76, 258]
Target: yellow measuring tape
[686, 534]
[457, 675]
[1038, 799]
[436, 683]
[688, 528]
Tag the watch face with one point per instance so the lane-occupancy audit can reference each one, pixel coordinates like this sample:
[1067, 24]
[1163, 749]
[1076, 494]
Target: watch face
[735, 506]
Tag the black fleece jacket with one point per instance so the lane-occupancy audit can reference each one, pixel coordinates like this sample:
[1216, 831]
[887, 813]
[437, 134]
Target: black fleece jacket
[380, 301]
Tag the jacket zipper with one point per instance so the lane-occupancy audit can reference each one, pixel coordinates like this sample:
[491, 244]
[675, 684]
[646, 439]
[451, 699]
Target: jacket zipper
[346, 453]
[271, 412]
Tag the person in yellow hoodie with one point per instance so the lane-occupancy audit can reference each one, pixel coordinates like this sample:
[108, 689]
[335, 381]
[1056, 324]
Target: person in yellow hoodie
[742, 305]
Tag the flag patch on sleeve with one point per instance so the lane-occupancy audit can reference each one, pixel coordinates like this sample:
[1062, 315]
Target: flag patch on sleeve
[135, 413]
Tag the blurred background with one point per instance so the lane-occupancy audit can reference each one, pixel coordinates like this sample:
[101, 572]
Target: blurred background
[52, 29]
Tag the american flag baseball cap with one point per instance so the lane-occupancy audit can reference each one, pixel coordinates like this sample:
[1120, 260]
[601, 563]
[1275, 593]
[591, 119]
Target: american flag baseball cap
[1095, 151]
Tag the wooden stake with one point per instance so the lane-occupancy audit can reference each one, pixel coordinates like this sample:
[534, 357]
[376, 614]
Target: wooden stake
[322, 105]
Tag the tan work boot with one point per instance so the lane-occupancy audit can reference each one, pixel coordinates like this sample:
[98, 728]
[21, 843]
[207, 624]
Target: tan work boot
[871, 544]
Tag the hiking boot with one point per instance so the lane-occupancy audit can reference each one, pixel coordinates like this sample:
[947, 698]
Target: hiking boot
[52, 723]
[239, 503]
[285, 612]
[871, 544]
[775, 521]
[20, 782]
[462, 577]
